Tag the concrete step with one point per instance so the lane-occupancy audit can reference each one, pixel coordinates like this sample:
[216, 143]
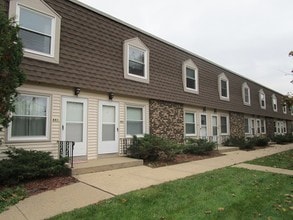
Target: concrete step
[224, 149]
[104, 164]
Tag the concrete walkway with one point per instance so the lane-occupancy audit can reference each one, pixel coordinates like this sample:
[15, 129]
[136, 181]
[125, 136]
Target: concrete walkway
[95, 187]
[265, 168]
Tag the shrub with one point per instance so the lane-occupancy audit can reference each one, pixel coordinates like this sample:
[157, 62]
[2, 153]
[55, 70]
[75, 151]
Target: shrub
[23, 165]
[282, 139]
[246, 143]
[198, 146]
[153, 148]
[261, 141]
[234, 141]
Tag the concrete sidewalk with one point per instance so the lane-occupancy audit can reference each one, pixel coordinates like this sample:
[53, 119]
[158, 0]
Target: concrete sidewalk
[95, 187]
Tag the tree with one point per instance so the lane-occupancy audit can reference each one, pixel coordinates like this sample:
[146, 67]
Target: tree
[288, 100]
[11, 75]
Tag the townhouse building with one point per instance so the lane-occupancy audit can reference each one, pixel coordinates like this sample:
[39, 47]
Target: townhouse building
[96, 80]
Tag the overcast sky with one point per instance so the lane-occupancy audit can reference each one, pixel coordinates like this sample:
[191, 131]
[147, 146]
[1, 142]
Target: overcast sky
[250, 37]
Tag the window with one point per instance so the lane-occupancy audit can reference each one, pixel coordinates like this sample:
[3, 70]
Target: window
[285, 108]
[246, 125]
[262, 99]
[135, 122]
[245, 94]
[190, 124]
[252, 127]
[223, 84]
[190, 77]
[263, 126]
[35, 30]
[258, 126]
[274, 102]
[203, 126]
[31, 118]
[39, 29]
[280, 127]
[136, 60]
[224, 125]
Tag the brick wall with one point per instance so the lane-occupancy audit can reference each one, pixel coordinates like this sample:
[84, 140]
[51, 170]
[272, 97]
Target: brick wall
[237, 124]
[270, 128]
[166, 120]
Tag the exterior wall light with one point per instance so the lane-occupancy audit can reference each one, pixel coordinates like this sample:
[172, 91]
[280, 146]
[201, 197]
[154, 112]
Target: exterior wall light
[111, 95]
[76, 91]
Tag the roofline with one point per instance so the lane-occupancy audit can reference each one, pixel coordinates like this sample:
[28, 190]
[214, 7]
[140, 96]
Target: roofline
[165, 41]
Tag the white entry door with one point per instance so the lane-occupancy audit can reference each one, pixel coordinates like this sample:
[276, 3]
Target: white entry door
[203, 126]
[74, 128]
[108, 128]
[215, 128]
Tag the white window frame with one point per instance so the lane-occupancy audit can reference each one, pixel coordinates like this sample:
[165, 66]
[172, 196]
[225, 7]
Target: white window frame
[258, 126]
[244, 87]
[195, 131]
[190, 64]
[40, 7]
[274, 103]
[280, 127]
[33, 138]
[261, 93]
[223, 77]
[227, 121]
[285, 108]
[264, 126]
[203, 126]
[137, 43]
[249, 122]
[143, 120]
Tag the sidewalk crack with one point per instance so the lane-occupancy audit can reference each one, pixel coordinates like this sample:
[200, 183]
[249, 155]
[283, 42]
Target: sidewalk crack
[112, 194]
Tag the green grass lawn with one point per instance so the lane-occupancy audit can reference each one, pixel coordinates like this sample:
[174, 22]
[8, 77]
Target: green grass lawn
[229, 193]
[281, 160]
[11, 196]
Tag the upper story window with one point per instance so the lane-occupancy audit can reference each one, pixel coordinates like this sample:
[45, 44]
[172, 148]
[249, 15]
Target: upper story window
[35, 30]
[31, 118]
[223, 84]
[136, 60]
[190, 77]
[285, 108]
[190, 124]
[39, 29]
[262, 99]
[274, 102]
[245, 94]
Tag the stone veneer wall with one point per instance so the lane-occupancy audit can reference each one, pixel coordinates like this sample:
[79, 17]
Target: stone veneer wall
[167, 120]
[237, 125]
[289, 127]
[270, 128]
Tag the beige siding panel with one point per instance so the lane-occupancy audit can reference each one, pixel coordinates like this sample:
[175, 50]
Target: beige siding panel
[92, 128]
[125, 101]
[56, 94]
[122, 119]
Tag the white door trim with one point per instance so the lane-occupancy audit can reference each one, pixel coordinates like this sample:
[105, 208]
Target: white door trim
[80, 148]
[107, 147]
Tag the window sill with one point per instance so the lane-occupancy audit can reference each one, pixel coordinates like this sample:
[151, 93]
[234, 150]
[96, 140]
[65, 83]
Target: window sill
[27, 140]
[193, 91]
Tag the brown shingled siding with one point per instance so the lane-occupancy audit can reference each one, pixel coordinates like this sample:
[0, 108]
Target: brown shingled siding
[91, 57]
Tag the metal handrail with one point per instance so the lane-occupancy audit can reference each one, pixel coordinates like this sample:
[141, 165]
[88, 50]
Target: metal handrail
[66, 149]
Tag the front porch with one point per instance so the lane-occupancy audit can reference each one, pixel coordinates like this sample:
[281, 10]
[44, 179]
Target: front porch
[104, 164]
